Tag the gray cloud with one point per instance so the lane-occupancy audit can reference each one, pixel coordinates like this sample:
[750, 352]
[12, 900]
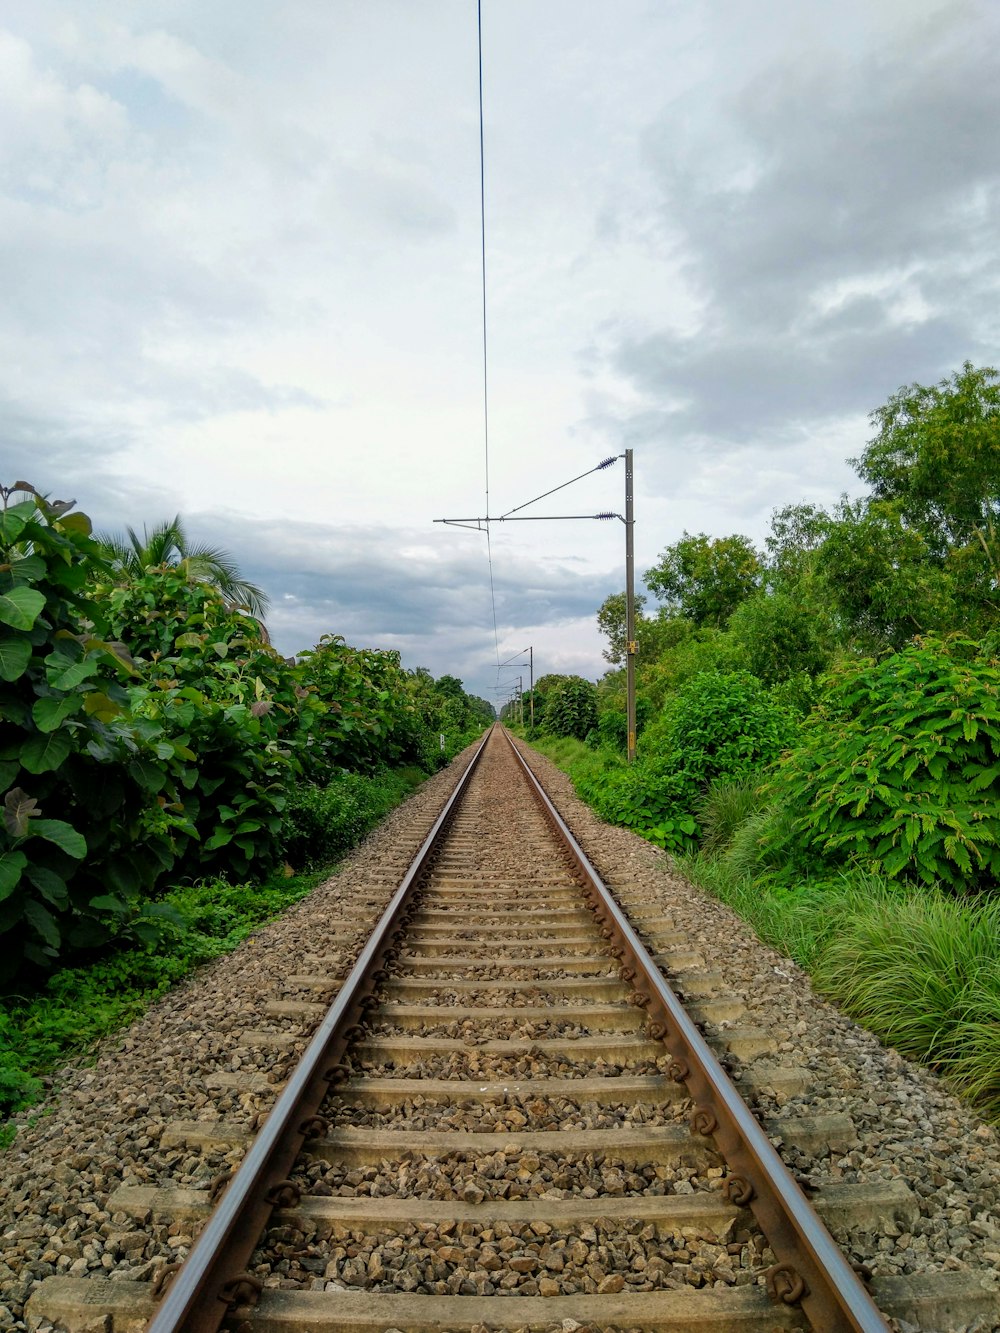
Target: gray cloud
[837, 214]
[426, 596]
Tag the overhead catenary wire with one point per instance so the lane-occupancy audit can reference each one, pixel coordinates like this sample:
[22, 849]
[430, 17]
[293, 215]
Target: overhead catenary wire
[486, 392]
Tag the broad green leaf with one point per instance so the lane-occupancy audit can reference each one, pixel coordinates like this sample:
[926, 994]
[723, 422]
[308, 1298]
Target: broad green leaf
[20, 607]
[97, 704]
[11, 866]
[50, 712]
[189, 640]
[115, 650]
[62, 834]
[147, 775]
[220, 648]
[76, 523]
[51, 886]
[18, 809]
[14, 520]
[29, 569]
[45, 751]
[65, 673]
[15, 654]
[8, 772]
[219, 839]
[43, 921]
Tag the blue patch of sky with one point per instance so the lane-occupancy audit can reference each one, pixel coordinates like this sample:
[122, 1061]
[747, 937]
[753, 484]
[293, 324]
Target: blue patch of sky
[151, 108]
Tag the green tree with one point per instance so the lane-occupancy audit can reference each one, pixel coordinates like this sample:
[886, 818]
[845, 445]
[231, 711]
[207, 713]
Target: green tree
[936, 458]
[705, 579]
[775, 637]
[169, 544]
[797, 535]
[611, 622]
[652, 633]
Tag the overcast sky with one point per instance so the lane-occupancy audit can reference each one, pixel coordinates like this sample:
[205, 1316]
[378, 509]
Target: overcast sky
[239, 279]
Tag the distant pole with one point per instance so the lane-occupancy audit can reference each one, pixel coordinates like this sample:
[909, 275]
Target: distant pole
[520, 698]
[531, 686]
[630, 643]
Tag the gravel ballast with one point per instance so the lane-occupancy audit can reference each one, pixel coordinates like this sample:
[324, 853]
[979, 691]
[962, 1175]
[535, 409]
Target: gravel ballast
[188, 1059]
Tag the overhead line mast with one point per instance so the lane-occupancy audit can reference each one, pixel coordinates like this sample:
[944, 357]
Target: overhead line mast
[482, 524]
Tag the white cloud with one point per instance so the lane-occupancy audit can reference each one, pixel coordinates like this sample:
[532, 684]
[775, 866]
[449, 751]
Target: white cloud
[240, 265]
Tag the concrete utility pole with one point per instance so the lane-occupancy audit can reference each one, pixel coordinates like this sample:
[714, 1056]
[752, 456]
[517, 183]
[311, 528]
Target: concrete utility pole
[631, 647]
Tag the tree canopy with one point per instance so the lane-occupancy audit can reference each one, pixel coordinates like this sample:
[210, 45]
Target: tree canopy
[705, 578]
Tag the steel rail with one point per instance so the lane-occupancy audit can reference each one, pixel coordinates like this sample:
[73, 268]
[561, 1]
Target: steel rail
[811, 1270]
[210, 1283]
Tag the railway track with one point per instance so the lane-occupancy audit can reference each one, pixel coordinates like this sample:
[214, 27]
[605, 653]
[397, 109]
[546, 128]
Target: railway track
[507, 1120]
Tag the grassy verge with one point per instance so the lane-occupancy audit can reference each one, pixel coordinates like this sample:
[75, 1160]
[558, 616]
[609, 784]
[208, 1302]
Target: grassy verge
[917, 966]
[77, 1006]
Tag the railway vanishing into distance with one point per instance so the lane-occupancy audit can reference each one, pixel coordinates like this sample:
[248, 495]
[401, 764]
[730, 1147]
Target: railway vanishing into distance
[520, 1101]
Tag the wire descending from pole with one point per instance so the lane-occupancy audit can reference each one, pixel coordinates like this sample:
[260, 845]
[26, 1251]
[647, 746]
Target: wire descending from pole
[486, 394]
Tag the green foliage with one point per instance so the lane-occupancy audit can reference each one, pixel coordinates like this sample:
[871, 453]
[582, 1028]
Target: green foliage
[228, 720]
[720, 725]
[322, 822]
[564, 706]
[705, 579]
[686, 653]
[724, 809]
[69, 757]
[649, 803]
[612, 622]
[936, 457]
[899, 766]
[776, 638]
[917, 966]
[77, 1006]
[150, 731]
[571, 707]
[882, 581]
[169, 544]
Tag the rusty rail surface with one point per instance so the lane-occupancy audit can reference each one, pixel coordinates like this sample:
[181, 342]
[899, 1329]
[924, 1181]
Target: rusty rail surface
[811, 1269]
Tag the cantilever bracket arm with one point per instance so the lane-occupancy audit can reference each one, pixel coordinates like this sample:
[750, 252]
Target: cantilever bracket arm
[477, 524]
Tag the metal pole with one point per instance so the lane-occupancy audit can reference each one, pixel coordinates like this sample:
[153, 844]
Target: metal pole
[520, 699]
[531, 686]
[630, 643]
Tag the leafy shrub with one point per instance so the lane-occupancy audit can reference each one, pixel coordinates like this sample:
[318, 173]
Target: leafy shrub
[720, 725]
[571, 707]
[776, 638]
[150, 730]
[76, 1006]
[899, 765]
[230, 721]
[648, 804]
[77, 851]
[321, 823]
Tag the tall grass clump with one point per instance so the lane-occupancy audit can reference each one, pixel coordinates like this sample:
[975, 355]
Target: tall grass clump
[725, 809]
[922, 970]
